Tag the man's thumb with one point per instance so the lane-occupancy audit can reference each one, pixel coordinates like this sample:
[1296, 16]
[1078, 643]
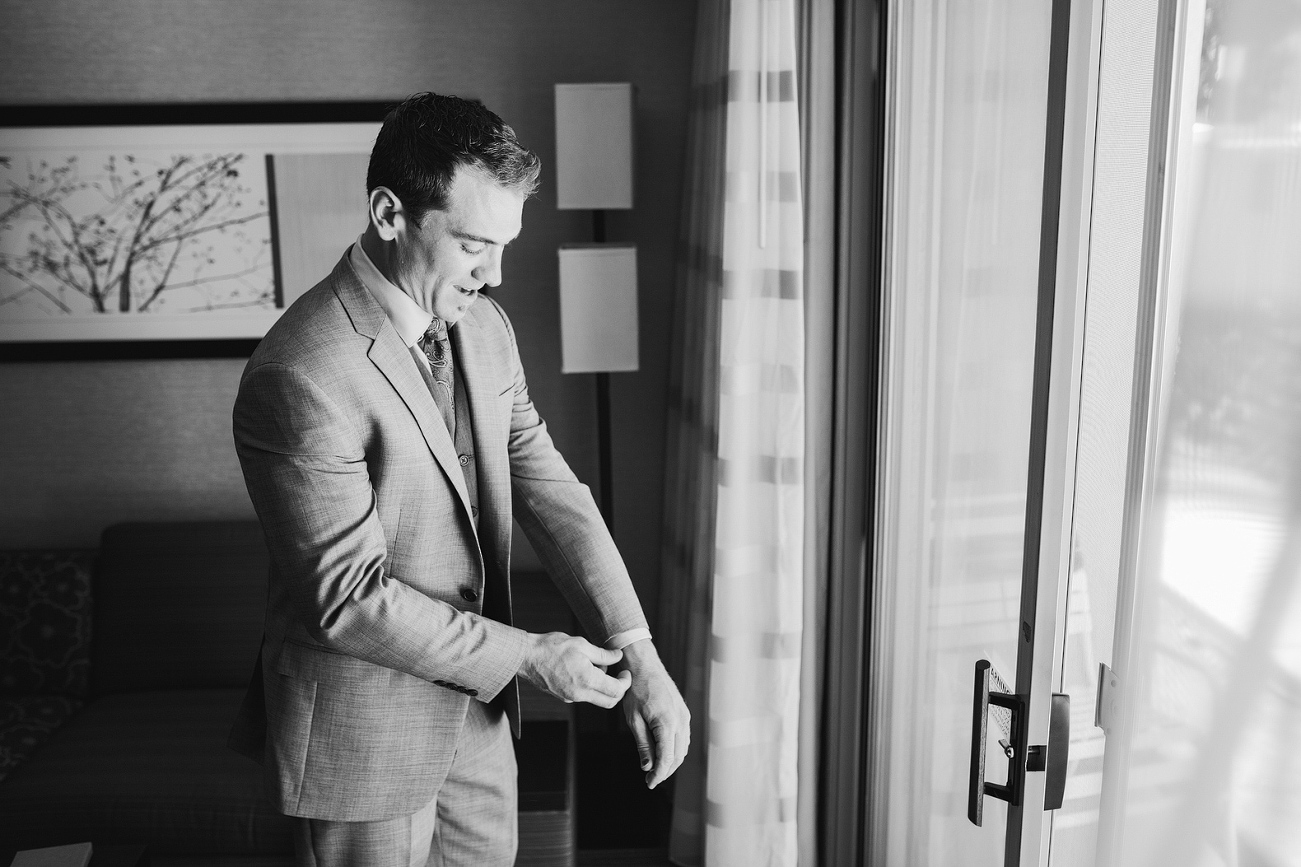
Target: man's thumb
[601, 656]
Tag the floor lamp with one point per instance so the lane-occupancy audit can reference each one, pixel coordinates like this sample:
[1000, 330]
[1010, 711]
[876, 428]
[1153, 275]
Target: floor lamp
[598, 280]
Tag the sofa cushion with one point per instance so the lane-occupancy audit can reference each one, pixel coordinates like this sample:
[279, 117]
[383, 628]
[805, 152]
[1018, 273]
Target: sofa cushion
[178, 605]
[150, 768]
[27, 721]
[44, 622]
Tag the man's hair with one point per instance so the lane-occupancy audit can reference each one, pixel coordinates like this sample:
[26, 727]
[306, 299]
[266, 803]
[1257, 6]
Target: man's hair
[427, 137]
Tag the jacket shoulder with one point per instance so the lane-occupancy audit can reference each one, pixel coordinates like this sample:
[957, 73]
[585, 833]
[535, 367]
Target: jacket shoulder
[491, 323]
[313, 329]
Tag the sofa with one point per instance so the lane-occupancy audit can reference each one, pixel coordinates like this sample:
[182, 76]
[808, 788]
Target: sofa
[122, 671]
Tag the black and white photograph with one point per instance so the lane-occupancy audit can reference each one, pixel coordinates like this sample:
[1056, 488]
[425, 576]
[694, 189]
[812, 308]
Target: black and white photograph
[166, 232]
[655, 433]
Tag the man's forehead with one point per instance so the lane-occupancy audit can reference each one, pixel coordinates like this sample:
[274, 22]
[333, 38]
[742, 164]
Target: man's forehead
[483, 210]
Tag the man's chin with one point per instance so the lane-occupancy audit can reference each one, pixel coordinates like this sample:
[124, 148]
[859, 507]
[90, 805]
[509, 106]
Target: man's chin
[457, 313]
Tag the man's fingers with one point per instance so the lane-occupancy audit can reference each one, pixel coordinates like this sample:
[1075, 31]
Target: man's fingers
[607, 691]
[672, 739]
[666, 758]
[615, 687]
[572, 669]
[642, 737]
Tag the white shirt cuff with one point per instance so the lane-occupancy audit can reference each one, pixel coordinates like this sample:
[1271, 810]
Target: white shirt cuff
[621, 640]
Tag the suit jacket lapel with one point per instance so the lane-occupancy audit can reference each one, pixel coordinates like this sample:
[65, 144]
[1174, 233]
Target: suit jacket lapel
[477, 368]
[394, 360]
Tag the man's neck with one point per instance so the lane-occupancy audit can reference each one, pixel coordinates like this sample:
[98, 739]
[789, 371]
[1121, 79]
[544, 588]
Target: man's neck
[379, 252]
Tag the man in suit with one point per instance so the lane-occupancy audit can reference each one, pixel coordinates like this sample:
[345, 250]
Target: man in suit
[385, 432]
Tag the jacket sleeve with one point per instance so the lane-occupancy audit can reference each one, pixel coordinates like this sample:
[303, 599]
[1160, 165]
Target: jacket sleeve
[306, 472]
[562, 521]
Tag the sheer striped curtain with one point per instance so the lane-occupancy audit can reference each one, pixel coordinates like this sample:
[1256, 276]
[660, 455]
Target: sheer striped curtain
[739, 654]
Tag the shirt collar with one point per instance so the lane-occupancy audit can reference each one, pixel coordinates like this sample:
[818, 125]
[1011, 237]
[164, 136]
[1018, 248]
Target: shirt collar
[409, 319]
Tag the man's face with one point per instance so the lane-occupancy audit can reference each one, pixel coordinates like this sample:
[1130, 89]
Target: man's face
[452, 254]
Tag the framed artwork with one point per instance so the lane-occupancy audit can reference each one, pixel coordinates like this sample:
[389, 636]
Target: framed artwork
[171, 230]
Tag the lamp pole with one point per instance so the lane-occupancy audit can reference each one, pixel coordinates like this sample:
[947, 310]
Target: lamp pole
[603, 432]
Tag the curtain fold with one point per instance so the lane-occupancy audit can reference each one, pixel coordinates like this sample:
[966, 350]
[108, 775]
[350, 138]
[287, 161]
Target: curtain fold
[734, 590]
[692, 443]
[772, 431]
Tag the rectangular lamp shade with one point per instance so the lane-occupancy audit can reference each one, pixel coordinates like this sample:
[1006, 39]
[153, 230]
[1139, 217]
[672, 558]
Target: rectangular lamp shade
[593, 146]
[598, 308]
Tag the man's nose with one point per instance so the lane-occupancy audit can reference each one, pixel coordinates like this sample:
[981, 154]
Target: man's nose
[489, 272]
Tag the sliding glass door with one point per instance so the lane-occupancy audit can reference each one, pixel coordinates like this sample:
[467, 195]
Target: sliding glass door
[1185, 620]
[1086, 613]
[975, 156]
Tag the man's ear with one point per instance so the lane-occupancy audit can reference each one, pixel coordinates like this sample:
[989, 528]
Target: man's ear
[386, 213]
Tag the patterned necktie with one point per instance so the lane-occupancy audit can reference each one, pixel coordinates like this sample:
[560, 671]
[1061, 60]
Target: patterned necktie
[439, 352]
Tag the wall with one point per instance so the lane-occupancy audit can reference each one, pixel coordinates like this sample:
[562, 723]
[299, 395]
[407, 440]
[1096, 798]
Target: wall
[86, 444]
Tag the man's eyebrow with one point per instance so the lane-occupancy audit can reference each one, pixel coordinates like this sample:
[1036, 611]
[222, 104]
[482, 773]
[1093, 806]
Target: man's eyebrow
[468, 236]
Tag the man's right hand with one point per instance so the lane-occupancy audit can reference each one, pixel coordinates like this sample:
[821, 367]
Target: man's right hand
[566, 666]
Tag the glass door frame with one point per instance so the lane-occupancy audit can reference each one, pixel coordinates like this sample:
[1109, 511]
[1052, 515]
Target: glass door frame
[1065, 209]
[1163, 36]
[1059, 351]
[1175, 49]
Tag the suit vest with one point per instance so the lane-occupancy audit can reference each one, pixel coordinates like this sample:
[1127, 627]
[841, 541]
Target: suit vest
[463, 440]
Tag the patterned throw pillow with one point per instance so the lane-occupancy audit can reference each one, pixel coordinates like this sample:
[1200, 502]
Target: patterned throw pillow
[28, 720]
[44, 622]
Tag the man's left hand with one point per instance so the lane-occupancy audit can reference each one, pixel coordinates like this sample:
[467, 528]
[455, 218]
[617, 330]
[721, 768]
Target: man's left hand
[655, 711]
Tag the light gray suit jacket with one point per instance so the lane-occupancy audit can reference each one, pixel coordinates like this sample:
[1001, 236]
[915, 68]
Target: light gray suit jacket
[376, 634]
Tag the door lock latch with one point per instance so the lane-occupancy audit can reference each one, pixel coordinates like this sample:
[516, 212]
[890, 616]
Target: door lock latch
[1051, 757]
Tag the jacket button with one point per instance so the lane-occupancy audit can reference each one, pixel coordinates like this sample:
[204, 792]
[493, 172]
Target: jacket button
[440, 683]
[468, 594]
[464, 459]
[472, 692]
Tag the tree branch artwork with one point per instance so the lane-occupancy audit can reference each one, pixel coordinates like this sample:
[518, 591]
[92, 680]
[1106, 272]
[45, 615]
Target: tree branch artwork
[180, 234]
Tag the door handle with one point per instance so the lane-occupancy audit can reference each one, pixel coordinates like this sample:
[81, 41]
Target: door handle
[1053, 758]
[979, 786]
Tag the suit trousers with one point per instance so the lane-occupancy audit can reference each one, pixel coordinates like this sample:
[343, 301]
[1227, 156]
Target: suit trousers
[473, 820]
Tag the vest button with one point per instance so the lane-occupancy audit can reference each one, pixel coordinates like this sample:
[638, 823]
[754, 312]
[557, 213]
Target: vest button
[465, 459]
[468, 594]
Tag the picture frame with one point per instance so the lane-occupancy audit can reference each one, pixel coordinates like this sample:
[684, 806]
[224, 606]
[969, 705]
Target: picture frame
[171, 230]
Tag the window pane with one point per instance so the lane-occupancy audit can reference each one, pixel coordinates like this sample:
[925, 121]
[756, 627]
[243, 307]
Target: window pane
[1213, 769]
[963, 292]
